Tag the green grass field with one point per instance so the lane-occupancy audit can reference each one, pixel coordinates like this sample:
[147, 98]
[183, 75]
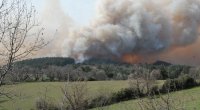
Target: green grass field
[27, 93]
[190, 99]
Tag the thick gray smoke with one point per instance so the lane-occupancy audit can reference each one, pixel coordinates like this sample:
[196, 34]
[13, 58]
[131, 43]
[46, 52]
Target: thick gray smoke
[137, 27]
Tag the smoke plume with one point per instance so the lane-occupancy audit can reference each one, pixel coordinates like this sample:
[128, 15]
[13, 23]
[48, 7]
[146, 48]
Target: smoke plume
[57, 24]
[132, 31]
[135, 30]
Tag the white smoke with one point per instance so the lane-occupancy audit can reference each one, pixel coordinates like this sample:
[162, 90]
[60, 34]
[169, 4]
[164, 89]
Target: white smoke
[57, 24]
[135, 27]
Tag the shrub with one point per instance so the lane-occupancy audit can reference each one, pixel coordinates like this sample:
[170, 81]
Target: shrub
[81, 79]
[155, 90]
[183, 82]
[42, 104]
[100, 101]
[75, 96]
[169, 85]
[91, 79]
[126, 94]
[122, 95]
[188, 82]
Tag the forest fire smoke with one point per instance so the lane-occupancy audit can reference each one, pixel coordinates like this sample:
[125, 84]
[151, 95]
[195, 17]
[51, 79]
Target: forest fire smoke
[131, 58]
[133, 30]
[57, 24]
[139, 27]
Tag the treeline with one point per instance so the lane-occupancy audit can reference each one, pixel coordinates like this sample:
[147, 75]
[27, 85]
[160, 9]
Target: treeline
[98, 72]
[60, 61]
[40, 63]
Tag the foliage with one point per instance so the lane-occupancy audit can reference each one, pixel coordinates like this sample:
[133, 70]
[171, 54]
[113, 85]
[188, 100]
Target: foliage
[43, 104]
[45, 62]
[91, 79]
[53, 70]
[126, 94]
[183, 82]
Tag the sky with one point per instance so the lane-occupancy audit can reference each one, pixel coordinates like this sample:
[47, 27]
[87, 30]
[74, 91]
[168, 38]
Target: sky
[81, 11]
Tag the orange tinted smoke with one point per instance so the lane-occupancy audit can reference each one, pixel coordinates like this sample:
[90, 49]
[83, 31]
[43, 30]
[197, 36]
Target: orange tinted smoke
[132, 58]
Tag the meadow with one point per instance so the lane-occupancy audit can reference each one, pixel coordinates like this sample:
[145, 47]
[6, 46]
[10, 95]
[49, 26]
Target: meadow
[189, 99]
[26, 94]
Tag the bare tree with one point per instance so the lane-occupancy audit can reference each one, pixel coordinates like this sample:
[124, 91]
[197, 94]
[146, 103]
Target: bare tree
[162, 102]
[19, 74]
[20, 33]
[75, 96]
[46, 103]
[51, 72]
[68, 72]
[142, 79]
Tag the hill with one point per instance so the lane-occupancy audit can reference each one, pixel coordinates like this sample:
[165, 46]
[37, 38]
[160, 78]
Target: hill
[163, 63]
[63, 61]
[44, 62]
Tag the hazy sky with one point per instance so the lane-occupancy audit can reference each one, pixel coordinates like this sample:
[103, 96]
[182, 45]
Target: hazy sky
[81, 11]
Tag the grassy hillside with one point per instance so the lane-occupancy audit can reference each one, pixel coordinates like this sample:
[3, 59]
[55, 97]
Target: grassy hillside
[28, 93]
[190, 99]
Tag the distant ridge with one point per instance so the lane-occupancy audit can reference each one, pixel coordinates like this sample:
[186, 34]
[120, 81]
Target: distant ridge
[63, 61]
[44, 62]
[161, 63]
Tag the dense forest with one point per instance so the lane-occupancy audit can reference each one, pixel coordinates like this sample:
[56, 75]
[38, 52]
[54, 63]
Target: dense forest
[62, 69]
[45, 62]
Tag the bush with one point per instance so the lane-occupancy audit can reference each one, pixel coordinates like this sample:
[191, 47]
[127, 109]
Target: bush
[99, 101]
[155, 90]
[169, 85]
[187, 82]
[183, 82]
[122, 95]
[42, 104]
[126, 94]
[91, 79]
